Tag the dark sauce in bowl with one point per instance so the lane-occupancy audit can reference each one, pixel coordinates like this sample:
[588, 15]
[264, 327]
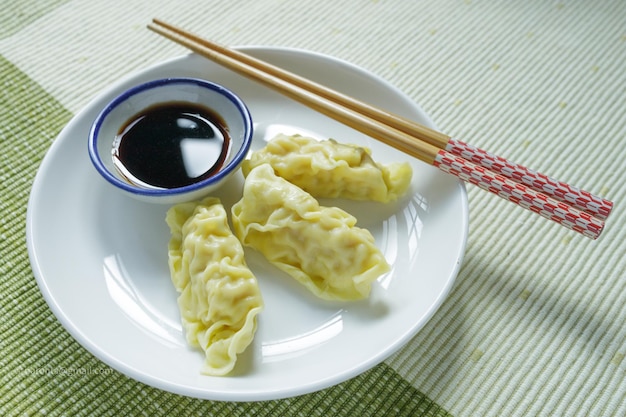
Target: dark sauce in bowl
[171, 145]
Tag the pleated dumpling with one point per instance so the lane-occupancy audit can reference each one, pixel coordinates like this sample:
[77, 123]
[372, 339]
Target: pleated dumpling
[219, 297]
[321, 247]
[331, 169]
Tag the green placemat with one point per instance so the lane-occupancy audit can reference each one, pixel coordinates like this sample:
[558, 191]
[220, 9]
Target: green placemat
[534, 325]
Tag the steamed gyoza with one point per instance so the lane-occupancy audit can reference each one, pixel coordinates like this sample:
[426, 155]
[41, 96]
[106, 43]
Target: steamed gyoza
[319, 246]
[331, 169]
[219, 295]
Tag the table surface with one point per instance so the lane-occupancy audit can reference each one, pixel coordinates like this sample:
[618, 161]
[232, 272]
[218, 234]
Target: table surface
[534, 324]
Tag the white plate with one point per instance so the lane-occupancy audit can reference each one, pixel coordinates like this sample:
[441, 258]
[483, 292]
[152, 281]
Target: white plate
[100, 258]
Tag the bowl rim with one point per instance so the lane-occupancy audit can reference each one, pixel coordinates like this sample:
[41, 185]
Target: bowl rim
[234, 163]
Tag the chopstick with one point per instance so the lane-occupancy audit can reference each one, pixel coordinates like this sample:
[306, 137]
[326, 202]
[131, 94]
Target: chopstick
[580, 199]
[573, 208]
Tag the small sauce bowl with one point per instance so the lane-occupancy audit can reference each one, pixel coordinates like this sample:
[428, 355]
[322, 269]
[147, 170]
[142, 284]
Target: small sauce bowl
[171, 140]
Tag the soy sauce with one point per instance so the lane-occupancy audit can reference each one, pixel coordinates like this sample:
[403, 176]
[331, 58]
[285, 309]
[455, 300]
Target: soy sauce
[171, 145]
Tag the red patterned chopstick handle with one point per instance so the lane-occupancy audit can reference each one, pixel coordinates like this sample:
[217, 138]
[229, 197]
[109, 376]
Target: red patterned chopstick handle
[581, 199]
[520, 194]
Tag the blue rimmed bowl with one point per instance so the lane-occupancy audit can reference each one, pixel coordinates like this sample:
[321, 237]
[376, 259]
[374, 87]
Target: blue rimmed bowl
[106, 129]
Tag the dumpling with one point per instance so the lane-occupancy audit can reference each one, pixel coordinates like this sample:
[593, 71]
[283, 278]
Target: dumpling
[330, 169]
[319, 246]
[219, 296]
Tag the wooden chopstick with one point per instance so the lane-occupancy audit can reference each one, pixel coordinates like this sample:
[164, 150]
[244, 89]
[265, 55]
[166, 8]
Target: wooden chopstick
[580, 199]
[426, 144]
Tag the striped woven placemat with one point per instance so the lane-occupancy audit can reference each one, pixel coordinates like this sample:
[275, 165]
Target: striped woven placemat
[534, 324]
